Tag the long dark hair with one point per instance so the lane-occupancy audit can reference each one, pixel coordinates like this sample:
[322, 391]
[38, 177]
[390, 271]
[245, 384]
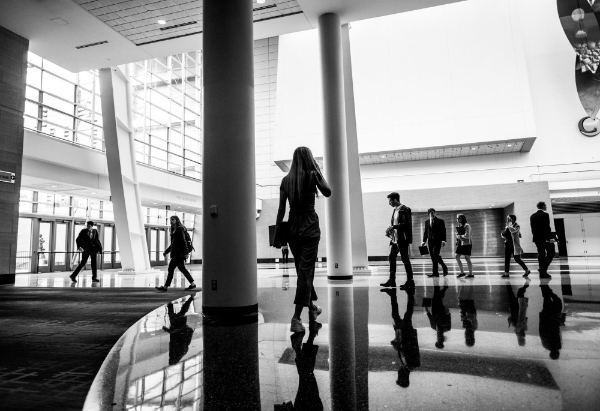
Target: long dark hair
[299, 180]
[462, 219]
[177, 223]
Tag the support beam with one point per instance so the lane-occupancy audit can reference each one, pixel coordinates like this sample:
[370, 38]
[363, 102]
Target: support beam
[228, 193]
[13, 72]
[122, 176]
[339, 257]
[360, 260]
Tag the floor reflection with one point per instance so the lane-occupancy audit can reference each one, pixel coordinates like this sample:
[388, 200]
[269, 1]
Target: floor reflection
[447, 344]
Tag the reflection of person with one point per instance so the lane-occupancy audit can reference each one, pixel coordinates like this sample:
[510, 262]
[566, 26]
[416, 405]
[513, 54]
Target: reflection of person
[307, 397]
[300, 186]
[468, 313]
[179, 250]
[435, 237]
[512, 245]
[400, 234]
[406, 341]
[518, 311]
[463, 245]
[180, 334]
[285, 253]
[439, 316]
[550, 321]
[543, 238]
[88, 241]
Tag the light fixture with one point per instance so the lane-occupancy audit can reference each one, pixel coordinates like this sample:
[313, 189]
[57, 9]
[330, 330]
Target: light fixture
[260, 1]
[162, 22]
[509, 145]
[93, 193]
[473, 148]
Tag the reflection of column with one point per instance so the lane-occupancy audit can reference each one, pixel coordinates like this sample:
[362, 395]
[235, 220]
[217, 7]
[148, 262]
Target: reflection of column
[360, 260]
[341, 347]
[230, 362]
[122, 176]
[339, 247]
[229, 192]
[361, 338]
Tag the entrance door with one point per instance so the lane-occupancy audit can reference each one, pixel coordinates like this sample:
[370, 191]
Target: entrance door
[591, 227]
[44, 246]
[161, 245]
[24, 251]
[60, 246]
[107, 246]
[153, 246]
[574, 235]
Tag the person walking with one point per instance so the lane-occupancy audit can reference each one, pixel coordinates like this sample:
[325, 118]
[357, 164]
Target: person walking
[179, 250]
[435, 237]
[543, 239]
[512, 245]
[299, 188]
[285, 254]
[400, 234]
[463, 245]
[88, 241]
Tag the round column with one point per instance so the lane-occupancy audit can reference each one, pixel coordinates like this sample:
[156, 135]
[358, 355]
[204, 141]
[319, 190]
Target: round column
[339, 245]
[228, 189]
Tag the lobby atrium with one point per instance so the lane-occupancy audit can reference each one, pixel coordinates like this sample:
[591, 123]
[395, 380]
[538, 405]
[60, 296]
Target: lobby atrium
[153, 155]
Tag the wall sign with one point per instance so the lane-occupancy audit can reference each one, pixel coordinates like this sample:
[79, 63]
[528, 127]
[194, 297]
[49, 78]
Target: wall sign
[7, 177]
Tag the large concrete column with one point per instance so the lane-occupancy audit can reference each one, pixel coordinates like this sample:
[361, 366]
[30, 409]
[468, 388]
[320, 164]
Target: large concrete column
[229, 197]
[360, 260]
[13, 72]
[339, 257]
[122, 176]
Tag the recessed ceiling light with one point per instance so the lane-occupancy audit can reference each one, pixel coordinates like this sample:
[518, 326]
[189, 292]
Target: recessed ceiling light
[93, 193]
[162, 22]
[473, 148]
[509, 145]
[260, 1]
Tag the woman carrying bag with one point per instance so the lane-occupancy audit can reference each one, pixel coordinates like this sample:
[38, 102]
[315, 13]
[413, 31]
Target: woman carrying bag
[464, 245]
[299, 187]
[512, 245]
[179, 250]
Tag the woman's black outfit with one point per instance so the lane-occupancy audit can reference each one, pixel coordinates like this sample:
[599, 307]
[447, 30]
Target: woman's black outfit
[179, 252]
[304, 238]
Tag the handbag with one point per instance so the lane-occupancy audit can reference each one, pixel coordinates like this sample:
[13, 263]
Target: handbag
[423, 250]
[464, 249]
[282, 234]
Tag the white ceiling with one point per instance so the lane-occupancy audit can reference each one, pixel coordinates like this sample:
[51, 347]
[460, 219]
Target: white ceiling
[56, 27]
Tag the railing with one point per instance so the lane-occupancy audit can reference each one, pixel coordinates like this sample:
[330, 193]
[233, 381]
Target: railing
[72, 259]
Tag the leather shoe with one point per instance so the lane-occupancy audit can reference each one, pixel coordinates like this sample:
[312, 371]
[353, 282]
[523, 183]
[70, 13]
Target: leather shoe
[389, 283]
[72, 278]
[545, 276]
[432, 275]
[407, 285]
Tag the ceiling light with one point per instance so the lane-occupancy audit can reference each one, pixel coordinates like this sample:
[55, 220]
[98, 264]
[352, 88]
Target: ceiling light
[473, 148]
[509, 145]
[93, 193]
[260, 1]
[162, 22]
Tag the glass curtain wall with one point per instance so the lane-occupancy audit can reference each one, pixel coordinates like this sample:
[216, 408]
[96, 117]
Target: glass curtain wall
[167, 107]
[62, 104]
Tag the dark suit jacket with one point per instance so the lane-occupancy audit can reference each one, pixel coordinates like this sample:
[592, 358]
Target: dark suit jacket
[436, 233]
[540, 226]
[90, 245]
[404, 226]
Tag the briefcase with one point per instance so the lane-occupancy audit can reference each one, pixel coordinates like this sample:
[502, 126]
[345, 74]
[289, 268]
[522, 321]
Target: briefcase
[423, 250]
[281, 234]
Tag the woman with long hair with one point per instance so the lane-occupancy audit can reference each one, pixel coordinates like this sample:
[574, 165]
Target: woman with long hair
[299, 187]
[464, 245]
[512, 245]
[179, 252]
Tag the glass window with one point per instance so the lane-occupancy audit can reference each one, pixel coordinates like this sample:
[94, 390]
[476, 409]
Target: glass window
[23, 263]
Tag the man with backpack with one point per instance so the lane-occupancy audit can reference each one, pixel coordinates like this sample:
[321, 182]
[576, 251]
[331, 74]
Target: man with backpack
[181, 246]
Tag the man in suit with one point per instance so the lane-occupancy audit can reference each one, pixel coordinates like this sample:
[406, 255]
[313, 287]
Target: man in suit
[543, 238]
[88, 241]
[400, 234]
[435, 237]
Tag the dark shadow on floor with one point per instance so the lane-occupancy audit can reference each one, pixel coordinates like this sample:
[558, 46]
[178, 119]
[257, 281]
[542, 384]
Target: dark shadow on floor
[53, 340]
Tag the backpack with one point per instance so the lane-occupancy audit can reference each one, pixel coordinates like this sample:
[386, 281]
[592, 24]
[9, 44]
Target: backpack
[188, 241]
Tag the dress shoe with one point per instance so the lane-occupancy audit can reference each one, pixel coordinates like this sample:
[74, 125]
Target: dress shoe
[445, 273]
[461, 275]
[162, 289]
[407, 285]
[433, 275]
[470, 276]
[545, 276]
[389, 291]
[505, 275]
[526, 273]
[95, 280]
[191, 287]
[73, 279]
[389, 283]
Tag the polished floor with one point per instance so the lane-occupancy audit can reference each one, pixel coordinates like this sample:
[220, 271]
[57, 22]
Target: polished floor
[453, 344]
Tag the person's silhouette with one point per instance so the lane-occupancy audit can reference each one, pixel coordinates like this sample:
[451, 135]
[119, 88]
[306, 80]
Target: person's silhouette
[406, 341]
[439, 316]
[550, 321]
[307, 397]
[518, 311]
[180, 333]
